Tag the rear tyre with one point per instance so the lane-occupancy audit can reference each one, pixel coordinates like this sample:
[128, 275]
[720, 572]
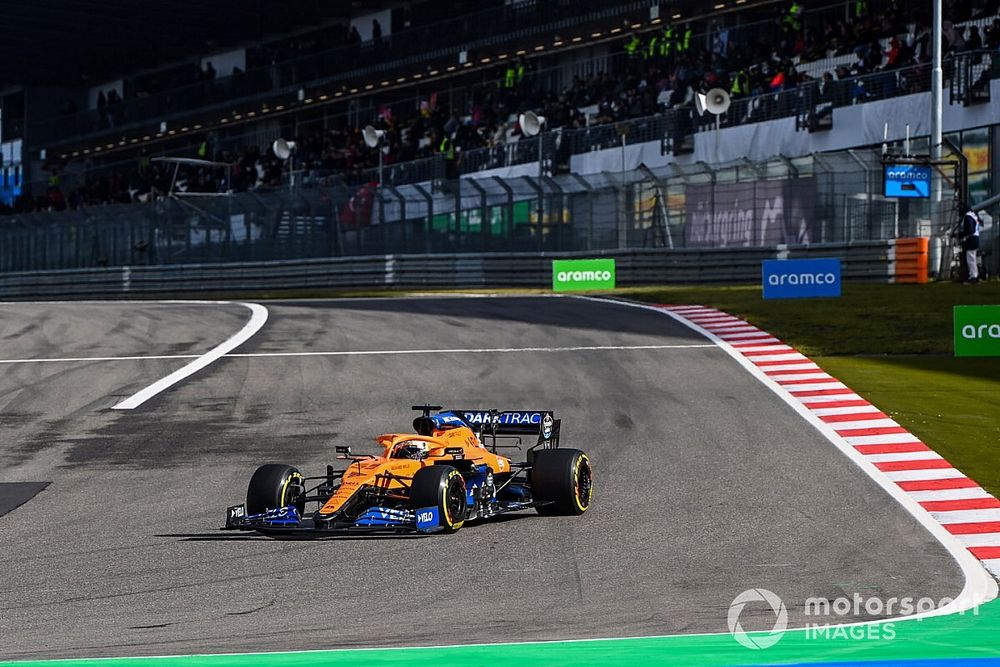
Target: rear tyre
[564, 480]
[442, 487]
[275, 485]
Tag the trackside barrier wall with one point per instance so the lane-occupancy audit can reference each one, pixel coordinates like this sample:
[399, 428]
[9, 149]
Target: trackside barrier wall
[864, 261]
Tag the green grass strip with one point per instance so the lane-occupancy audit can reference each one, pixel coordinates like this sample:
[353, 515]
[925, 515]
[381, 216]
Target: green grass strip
[961, 636]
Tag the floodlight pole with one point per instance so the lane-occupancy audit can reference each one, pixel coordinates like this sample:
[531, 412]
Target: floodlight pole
[718, 126]
[541, 158]
[937, 83]
[541, 187]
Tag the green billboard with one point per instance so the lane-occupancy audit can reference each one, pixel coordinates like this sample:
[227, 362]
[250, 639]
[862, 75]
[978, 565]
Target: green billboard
[575, 275]
[977, 331]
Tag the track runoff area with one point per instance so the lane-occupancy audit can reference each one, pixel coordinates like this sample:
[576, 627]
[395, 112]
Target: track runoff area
[722, 513]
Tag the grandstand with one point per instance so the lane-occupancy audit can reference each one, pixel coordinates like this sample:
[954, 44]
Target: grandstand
[616, 82]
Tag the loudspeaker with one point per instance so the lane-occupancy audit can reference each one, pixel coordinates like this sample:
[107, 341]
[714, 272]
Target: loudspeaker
[283, 149]
[531, 123]
[716, 101]
[372, 136]
[699, 103]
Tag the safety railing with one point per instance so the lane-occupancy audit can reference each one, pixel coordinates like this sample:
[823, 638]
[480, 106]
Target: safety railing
[860, 261]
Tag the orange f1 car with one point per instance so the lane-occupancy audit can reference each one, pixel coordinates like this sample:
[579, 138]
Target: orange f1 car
[434, 480]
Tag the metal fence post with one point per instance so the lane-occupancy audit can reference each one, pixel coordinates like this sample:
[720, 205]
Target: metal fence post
[429, 229]
[589, 194]
[510, 209]
[536, 185]
[868, 190]
[484, 227]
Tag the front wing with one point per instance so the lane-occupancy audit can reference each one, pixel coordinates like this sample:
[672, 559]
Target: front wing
[288, 521]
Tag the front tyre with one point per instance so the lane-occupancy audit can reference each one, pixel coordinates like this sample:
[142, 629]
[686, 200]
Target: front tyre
[442, 487]
[563, 480]
[273, 486]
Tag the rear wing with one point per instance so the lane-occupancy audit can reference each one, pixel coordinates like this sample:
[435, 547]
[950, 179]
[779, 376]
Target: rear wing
[513, 423]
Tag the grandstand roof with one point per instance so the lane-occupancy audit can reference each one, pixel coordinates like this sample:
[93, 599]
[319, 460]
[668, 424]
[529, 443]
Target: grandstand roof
[69, 42]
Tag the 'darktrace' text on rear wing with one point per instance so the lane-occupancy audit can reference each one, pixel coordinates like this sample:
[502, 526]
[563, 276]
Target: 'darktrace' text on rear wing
[512, 425]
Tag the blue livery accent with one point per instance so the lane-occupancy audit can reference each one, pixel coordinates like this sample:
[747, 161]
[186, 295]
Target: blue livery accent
[515, 418]
[384, 516]
[283, 516]
[800, 278]
[447, 420]
[475, 481]
[428, 519]
[517, 491]
[907, 181]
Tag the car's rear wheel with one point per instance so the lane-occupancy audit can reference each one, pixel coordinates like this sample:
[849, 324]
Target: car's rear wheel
[442, 487]
[274, 485]
[563, 480]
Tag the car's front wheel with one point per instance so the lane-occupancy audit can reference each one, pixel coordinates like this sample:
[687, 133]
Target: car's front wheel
[274, 485]
[442, 487]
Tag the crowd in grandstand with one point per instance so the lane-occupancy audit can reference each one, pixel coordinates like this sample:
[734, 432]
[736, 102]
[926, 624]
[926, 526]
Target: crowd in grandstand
[662, 71]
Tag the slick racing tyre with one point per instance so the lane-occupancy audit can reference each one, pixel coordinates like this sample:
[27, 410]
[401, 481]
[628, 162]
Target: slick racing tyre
[563, 479]
[442, 487]
[274, 485]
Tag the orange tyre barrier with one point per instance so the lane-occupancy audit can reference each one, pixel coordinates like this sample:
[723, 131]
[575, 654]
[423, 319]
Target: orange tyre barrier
[911, 260]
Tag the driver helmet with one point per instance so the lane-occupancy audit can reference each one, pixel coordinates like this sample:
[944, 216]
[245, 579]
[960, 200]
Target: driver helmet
[412, 449]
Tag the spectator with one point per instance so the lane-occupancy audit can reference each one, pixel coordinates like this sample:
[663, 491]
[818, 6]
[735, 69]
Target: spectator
[102, 110]
[753, 67]
[968, 235]
[975, 41]
[993, 36]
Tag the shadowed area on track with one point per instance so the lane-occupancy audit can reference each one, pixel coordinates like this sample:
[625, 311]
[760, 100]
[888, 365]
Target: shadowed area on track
[46, 406]
[706, 484]
[15, 494]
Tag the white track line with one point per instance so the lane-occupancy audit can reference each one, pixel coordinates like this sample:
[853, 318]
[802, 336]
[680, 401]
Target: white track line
[979, 586]
[66, 360]
[258, 316]
[355, 353]
[475, 350]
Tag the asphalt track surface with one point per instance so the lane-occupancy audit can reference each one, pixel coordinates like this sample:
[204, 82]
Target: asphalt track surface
[707, 484]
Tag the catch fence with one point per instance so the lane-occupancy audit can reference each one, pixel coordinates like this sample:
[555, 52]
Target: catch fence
[818, 199]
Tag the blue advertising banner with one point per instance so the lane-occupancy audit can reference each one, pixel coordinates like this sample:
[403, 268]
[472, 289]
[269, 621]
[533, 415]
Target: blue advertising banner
[907, 180]
[800, 278]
